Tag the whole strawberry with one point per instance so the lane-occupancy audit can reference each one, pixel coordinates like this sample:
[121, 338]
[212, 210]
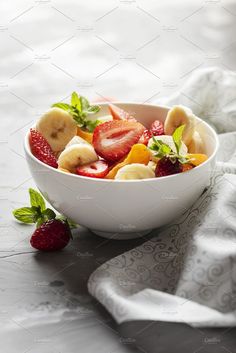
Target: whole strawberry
[157, 128]
[145, 137]
[167, 166]
[52, 233]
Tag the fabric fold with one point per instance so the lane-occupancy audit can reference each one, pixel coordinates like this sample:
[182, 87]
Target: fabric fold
[187, 271]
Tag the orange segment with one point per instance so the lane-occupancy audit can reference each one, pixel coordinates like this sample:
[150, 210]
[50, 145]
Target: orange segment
[187, 167]
[197, 158]
[87, 136]
[139, 153]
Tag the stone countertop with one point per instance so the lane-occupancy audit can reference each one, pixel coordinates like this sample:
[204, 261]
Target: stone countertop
[129, 50]
[45, 305]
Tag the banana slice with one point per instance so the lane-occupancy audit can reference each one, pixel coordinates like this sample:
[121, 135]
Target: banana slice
[135, 171]
[168, 140]
[57, 127]
[64, 170]
[180, 115]
[196, 145]
[152, 165]
[76, 155]
[77, 140]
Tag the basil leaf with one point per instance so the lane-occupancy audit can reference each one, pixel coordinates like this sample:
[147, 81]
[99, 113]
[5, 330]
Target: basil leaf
[177, 137]
[36, 199]
[25, 215]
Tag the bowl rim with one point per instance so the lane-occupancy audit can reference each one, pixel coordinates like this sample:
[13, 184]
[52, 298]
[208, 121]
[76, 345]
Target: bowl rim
[103, 180]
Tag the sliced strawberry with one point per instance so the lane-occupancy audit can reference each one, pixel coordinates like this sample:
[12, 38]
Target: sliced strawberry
[145, 137]
[41, 148]
[98, 169]
[120, 114]
[114, 139]
[157, 128]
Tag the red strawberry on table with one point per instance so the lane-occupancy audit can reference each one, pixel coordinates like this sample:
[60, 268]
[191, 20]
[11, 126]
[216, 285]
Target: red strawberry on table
[98, 169]
[157, 128]
[51, 235]
[52, 232]
[113, 140]
[120, 114]
[41, 148]
[166, 166]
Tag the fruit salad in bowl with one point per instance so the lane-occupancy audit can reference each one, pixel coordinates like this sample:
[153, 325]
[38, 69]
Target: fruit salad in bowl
[120, 169]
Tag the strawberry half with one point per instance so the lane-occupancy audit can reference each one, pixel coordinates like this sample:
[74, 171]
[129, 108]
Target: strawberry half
[41, 148]
[98, 169]
[120, 114]
[114, 139]
[157, 128]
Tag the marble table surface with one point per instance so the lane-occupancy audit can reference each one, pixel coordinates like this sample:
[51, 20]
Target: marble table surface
[126, 49]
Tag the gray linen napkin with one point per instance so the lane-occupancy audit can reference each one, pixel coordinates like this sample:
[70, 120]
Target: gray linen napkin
[186, 273]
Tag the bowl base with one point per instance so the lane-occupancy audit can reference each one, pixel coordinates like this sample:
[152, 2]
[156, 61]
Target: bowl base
[121, 236]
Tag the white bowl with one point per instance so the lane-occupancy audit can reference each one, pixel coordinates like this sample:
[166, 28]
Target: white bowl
[126, 209]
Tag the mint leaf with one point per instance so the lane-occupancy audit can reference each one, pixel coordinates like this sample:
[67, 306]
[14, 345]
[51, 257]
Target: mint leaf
[78, 119]
[25, 215]
[177, 137]
[36, 199]
[84, 103]
[71, 224]
[80, 108]
[63, 106]
[161, 148]
[165, 149]
[91, 124]
[183, 159]
[37, 213]
[69, 221]
[48, 214]
[75, 101]
[39, 222]
[93, 109]
[45, 216]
